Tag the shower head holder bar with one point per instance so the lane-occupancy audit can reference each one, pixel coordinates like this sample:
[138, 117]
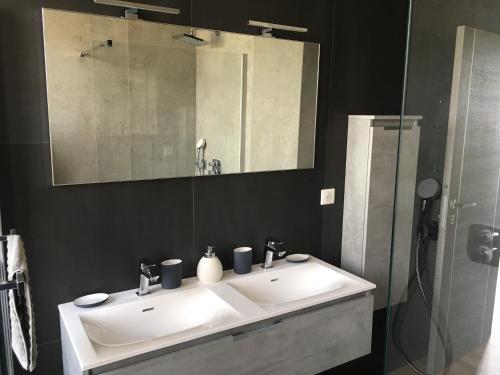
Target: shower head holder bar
[106, 44]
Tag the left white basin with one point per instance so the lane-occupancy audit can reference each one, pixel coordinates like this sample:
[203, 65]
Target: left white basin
[156, 317]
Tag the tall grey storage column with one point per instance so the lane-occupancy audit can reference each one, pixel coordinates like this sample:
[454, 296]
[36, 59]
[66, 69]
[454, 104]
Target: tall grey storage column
[372, 147]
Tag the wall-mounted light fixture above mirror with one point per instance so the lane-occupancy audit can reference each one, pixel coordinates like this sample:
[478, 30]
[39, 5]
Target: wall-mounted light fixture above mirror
[131, 5]
[134, 100]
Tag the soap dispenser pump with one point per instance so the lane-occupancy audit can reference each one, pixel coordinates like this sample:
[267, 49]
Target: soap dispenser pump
[209, 267]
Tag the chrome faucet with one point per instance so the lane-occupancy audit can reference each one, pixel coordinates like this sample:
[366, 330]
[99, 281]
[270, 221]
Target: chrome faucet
[216, 167]
[270, 250]
[145, 278]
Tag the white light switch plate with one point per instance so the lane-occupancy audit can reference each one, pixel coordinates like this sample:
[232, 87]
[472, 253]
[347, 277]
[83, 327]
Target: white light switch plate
[327, 196]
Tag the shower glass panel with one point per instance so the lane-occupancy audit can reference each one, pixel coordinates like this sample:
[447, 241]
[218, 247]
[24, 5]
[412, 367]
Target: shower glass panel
[447, 320]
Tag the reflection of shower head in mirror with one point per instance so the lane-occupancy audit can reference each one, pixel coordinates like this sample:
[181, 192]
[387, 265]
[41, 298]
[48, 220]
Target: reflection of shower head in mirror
[191, 39]
[202, 142]
[200, 156]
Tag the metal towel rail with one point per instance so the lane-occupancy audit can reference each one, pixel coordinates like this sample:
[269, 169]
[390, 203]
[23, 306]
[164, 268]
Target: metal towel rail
[4, 303]
[17, 284]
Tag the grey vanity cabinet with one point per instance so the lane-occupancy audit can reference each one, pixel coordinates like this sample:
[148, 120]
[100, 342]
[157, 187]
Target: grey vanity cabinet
[306, 343]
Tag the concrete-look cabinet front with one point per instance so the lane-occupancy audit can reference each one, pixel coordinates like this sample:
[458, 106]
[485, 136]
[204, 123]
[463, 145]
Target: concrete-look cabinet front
[306, 343]
[370, 182]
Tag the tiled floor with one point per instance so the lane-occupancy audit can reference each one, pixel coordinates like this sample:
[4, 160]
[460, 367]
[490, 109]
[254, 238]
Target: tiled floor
[485, 360]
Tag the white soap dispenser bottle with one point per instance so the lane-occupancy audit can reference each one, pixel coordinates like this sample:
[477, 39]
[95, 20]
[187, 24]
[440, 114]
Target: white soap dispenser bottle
[209, 267]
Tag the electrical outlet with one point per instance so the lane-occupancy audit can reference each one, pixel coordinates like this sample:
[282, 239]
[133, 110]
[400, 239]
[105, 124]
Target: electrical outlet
[327, 196]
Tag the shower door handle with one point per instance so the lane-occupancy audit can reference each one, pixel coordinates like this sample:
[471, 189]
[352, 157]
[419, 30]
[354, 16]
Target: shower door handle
[454, 204]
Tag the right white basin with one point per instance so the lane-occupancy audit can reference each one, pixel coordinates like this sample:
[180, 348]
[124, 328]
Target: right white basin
[284, 285]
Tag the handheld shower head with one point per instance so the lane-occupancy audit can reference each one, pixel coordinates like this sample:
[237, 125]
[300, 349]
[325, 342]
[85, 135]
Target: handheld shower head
[201, 163]
[429, 188]
[201, 144]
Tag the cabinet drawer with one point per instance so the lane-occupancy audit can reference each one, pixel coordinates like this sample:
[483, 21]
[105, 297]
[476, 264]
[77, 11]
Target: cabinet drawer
[307, 343]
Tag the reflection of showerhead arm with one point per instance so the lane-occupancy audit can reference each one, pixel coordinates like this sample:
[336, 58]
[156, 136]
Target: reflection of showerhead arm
[106, 44]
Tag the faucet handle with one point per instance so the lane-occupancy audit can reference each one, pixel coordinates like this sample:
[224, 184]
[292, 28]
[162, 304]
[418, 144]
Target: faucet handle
[271, 241]
[145, 265]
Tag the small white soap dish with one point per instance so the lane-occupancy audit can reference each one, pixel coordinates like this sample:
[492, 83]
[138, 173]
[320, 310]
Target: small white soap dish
[91, 300]
[297, 258]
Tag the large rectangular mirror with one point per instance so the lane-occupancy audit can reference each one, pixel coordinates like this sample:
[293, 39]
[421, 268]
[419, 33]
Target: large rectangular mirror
[134, 100]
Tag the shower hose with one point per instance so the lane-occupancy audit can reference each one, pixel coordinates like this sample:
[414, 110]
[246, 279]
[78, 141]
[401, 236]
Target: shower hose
[398, 316]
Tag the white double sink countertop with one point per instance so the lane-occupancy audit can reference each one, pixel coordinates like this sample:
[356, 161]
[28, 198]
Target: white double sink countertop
[129, 325]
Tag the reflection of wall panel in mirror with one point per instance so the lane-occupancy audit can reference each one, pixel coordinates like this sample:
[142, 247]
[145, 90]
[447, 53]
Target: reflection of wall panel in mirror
[134, 108]
[163, 101]
[308, 104]
[243, 46]
[274, 130]
[70, 87]
[120, 113]
[219, 88]
[111, 97]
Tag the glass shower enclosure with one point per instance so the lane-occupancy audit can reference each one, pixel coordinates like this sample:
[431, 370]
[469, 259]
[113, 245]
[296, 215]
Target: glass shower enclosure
[447, 319]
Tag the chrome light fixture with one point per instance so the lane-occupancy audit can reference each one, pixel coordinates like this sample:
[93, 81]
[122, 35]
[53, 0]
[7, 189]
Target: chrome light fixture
[133, 6]
[267, 27]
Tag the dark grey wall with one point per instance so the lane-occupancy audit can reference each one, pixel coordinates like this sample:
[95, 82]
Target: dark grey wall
[367, 72]
[89, 237]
